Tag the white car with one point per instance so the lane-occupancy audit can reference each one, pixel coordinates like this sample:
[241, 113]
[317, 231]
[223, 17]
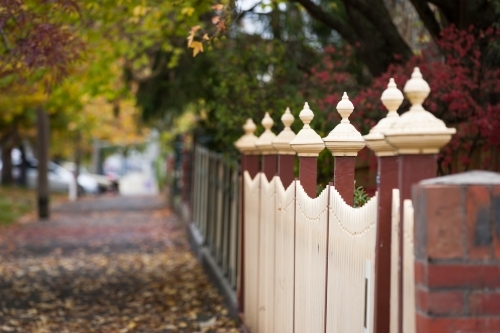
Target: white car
[103, 182]
[60, 178]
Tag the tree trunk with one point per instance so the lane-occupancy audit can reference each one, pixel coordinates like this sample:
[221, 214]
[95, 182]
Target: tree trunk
[78, 158]
[23, 168]
[43, 160]
[7, 165]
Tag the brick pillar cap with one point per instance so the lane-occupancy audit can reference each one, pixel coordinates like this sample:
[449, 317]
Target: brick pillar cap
[307, 142]
[344, 139]
[246, 144]
[265, 141]
[418, 131]
[474, 177]
[392, 98]
[282, 141]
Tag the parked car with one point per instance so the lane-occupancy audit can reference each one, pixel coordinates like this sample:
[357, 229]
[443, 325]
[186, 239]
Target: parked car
[103, 182]
[58, 177]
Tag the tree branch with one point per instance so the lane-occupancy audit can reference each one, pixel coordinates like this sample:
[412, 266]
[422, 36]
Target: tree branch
[428, 17]
[329, 20]
[380, 18]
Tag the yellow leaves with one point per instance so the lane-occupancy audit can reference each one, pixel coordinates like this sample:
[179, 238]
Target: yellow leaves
[188, 11]
[197, 48]
[139, 11]
[192, 33]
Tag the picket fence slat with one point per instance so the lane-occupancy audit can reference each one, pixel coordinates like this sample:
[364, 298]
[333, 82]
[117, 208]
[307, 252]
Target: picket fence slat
[394, 314]
[233, 225]
[266, 254]
[251, 253]
[351, 256]
[409, 320]
[284, 257]
[310, 259]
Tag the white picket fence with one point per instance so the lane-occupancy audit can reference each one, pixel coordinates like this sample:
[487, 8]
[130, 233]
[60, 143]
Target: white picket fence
[408, 310]
[308, 263]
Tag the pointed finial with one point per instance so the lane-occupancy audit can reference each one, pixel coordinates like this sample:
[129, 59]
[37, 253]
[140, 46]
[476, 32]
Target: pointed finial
[418, 131]
[287, 118]
[392, 98]
[246, 144]
[249, 126]
[307, 142]
[344, 139]
[306, 115]
[264, 142]
[345, 108]
[282, 141]
[267, 122]
[417, 89]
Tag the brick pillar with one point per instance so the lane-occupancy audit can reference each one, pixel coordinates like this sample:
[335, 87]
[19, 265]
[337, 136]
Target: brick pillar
[285, 169]
[417, 135]
[344, 141]
[265, 145]
[387, 180]
[250, 162]
[457, 253]
[286, 155]
[308, 173]
[270, 165]
[343, 177]
[308, 144]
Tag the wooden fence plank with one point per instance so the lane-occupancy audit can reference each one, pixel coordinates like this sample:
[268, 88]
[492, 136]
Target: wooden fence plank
[251, 241]
[351, 258]
[394, 316]
[284, 257]
[233, 233]
[409, 320]
[310, 259]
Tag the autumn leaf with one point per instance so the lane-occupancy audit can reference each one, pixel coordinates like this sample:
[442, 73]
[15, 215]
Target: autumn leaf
[205, 37]
[218, 7]
[221, 26]
[215, 19]
[197, 48]
[188, 11]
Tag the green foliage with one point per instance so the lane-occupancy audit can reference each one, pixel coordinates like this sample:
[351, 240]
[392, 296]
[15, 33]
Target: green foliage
[360, 196]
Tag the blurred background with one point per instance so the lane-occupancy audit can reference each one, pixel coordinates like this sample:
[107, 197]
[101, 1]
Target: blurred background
[98, 97]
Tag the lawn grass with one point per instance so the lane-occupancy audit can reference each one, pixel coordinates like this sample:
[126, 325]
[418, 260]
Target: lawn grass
[16, 201]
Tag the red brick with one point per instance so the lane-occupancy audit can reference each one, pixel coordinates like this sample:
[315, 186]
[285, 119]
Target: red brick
[478, 217]
[432, 302]
[421, 299]
[495, 205]
[420, 272]
[484, 303]
[445, 218]
[463, 275]
[427, 324]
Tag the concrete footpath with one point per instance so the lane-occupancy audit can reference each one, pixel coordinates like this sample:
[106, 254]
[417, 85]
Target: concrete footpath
[106, 264]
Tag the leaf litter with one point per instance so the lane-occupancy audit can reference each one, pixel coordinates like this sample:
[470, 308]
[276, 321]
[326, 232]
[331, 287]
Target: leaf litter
[106, 270]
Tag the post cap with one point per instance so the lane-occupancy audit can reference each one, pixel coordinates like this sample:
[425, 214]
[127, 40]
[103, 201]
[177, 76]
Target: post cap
[282, 141]
[246, 143]
[307, 142]
[344, 139]
[418, 131]
[265, 141]
[392, 98]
